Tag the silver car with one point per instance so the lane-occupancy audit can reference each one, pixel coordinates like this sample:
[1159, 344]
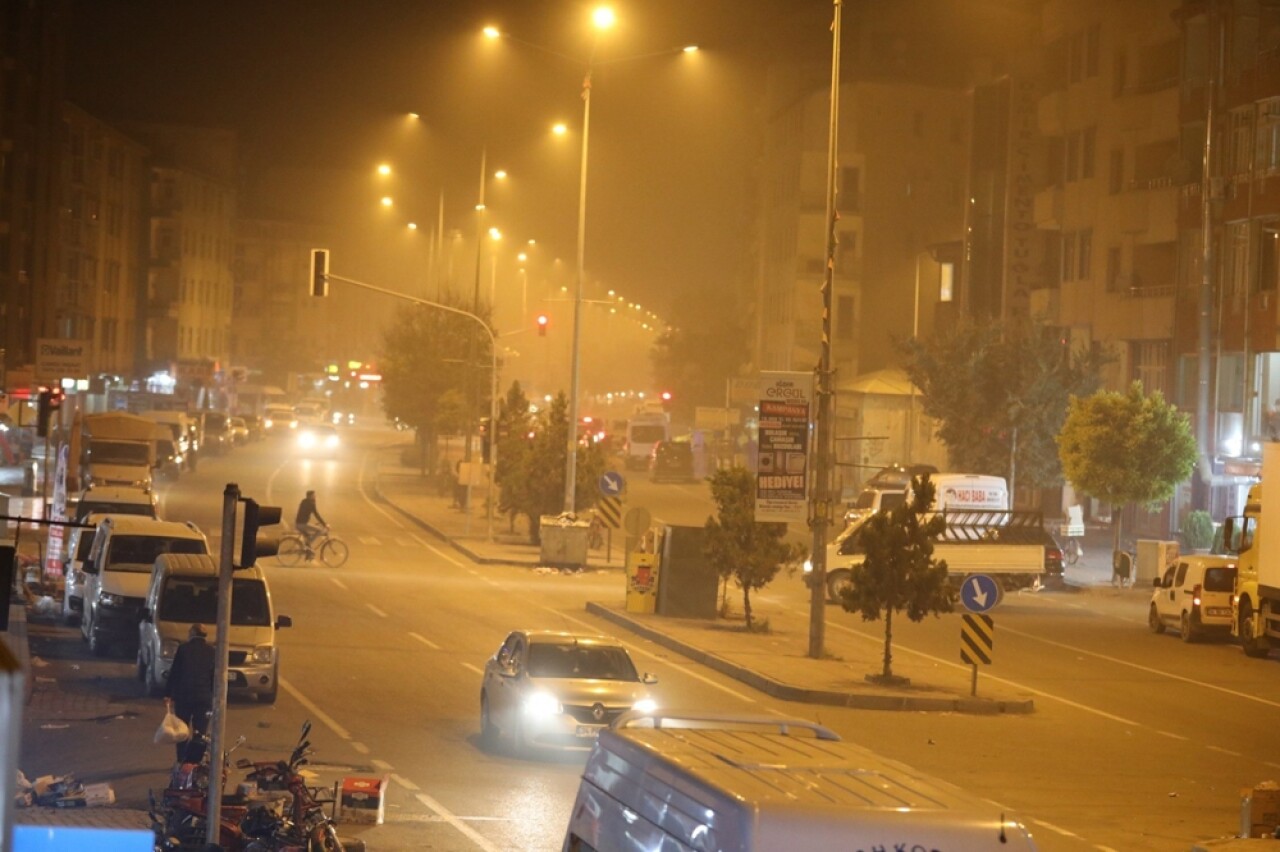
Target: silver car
[557, 690]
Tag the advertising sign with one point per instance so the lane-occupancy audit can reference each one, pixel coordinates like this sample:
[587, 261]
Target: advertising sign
[58, 359]
[782, 473]
[642, 582]
[53, 551]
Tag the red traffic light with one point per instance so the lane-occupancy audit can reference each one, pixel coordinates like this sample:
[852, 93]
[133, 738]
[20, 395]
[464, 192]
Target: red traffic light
[542, 325]
[666, 396]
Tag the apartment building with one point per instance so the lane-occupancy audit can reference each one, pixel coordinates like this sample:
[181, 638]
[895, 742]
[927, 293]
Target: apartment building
[102, 237]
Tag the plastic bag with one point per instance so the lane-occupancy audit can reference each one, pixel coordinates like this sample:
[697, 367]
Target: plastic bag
[172, 729]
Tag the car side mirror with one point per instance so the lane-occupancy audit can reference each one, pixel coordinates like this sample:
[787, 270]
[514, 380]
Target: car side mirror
[649, 679]
[89, 567]
[508, 670]
[283, 621]
[1157, 582]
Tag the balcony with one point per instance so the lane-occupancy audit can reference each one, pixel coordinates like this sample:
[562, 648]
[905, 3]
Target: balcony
[1048, 208]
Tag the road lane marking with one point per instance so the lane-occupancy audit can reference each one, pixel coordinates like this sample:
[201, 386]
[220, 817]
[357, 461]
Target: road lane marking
[1057, 828]
[360, 747]
[315, 710]
[1222, 750]
[1172, 735]
[437, 551]
[405, 783]
[339, 584]
[425, 641]
[467, 831]
[382, 764]
[475, 669]
[370, 540]
[665, 661]
[376, 611]
[1145, 669]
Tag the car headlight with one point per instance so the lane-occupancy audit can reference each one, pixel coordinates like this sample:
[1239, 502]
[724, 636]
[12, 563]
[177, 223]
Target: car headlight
[168, 648]
[645, 705]
[293, 424]
[306, 439]
[808, 566]
[331, 441]
[268, 423]
[262, 654]
[542, 704]
[108, 599]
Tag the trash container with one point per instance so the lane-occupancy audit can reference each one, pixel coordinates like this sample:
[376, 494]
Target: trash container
[1153, 558]
[564, 540]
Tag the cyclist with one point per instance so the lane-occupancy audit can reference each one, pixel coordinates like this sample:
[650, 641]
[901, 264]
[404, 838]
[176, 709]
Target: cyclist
[306, 510]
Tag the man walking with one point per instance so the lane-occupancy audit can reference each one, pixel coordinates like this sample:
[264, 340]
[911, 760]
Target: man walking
[189, 690]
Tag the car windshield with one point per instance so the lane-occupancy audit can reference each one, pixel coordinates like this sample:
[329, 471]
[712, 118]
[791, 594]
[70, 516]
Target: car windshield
[594, 662]
[648, 434]
[120, 452]
[1220, 579]
[195, 600]
[85, 509]
[139, 552]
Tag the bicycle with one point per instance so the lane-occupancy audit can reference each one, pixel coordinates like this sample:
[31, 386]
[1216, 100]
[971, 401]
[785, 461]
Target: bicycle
[1072, 551]
[294, 548]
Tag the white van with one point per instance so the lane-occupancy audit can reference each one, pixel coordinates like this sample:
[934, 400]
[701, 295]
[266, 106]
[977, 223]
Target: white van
[682, 781]
[79, 543]
[184, 591]
[118, 569]
[970, 492]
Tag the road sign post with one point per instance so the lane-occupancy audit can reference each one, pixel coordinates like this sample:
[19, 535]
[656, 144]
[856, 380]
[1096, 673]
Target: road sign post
[977, 636]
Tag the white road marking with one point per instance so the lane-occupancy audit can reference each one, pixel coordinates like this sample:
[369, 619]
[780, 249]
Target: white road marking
[376, 611]
[382, 764]
[437, 551]
[666, 662]
[340, 584]
[1059, 829]
[425, 641]
[360, 747]
[1272, 765]
[371, 540]
[405, 541]
[1172, 736]
[473, 668]
[1146, 669]
[405, 783]
[458, 824]
[1222, 750]
[315, 710]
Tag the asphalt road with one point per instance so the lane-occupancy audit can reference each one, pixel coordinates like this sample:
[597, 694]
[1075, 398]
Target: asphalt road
[1138, 742]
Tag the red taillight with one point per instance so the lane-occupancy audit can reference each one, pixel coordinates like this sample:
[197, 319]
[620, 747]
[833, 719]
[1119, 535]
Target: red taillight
[1195, 595]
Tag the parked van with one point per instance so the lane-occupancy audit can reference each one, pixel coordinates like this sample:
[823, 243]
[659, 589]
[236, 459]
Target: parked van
[115, 500]
[680, 781]
[184, 591]
[124, 550]
[79, 542]
[1194, 596]
[954, 492]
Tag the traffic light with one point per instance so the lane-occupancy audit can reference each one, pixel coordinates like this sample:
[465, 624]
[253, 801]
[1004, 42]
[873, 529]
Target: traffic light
[542, 325]
[320, 272]
[250, 547]
[666, 400]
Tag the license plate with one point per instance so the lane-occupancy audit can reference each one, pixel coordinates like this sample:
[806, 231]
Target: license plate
[1218, 610]
[587, 730]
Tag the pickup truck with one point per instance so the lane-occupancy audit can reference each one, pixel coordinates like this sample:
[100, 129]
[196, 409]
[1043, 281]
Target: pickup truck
[1006, 545]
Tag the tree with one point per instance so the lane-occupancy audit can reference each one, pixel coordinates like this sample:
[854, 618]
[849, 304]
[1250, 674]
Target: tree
[898, 572]
[738, 546]
[450, 414]
[537, 481]
[999, 391]
[515, 421]
[421, 359]
[1126, 448]
[693, 364]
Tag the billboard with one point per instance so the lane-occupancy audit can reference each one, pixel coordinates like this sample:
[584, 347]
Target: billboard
[782, 469]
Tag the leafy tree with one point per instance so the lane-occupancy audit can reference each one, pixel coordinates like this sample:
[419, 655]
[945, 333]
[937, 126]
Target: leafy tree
[741, 548]
[1126, 448]
[989, 384]
[450, 414]
[514, 448]
[898, 572]
[693, 365]
[537, 484]
[420, 361]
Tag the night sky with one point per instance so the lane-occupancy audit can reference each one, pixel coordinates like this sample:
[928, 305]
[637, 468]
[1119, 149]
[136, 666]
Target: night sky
[326, 83]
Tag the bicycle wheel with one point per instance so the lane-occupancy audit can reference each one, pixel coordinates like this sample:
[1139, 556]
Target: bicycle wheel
[334, 553]
[292, 550]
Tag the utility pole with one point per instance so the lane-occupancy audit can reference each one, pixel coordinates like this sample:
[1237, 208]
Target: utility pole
[820, 498]
[213, 806]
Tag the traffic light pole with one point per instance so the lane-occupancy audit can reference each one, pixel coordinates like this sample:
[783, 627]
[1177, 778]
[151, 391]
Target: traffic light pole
[230, 496]
[493, 392]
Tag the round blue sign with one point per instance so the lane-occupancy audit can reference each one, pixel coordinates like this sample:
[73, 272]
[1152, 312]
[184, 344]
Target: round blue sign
[979, 593]
[612, 484]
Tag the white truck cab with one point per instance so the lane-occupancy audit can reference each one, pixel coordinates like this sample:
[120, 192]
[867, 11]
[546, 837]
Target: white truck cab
[710, 782]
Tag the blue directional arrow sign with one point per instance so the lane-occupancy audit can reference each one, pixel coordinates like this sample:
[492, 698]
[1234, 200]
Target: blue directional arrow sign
[979, 593]
[612, 484]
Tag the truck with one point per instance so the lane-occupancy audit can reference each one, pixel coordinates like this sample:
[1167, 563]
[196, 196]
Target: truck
[119, 449]
[1255, 606]
[677, 780]
[982, 536]
[644, 430]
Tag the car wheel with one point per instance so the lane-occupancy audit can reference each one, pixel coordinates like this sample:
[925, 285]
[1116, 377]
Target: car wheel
[488, 731]
[1252, 646]
[97, 645]
[1186, 630]
[69, 616]
[837, 582]
[1153, 620]
[270, 696]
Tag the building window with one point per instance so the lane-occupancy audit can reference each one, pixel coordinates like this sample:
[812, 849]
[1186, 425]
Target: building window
[844, 318]
[1116, 178]
[1088, 148]
[1240, 154]
[947, 282]
[1113, 269]
[1267, 150]
[1071, 158]
[1084, 256]
[1068, 257]
[1075, 57]
[1149, 360]
[1119, 74]
[850, 189]
[1237, 260]
[847, 246]
[1269, 255]
[1092, 45]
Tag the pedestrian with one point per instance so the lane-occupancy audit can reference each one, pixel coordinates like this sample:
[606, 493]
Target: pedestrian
[307, 510]
[188, 693]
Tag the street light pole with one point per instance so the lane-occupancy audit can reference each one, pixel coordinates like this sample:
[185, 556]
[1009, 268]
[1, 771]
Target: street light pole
[571, 458]
[471, 341]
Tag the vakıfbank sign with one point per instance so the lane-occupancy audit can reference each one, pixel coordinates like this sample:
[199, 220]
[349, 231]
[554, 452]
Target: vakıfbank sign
[782, 467]
[59, 359]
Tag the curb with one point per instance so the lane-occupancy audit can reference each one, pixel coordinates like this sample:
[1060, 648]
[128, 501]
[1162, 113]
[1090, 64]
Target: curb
[788, 692]
[461, 548]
